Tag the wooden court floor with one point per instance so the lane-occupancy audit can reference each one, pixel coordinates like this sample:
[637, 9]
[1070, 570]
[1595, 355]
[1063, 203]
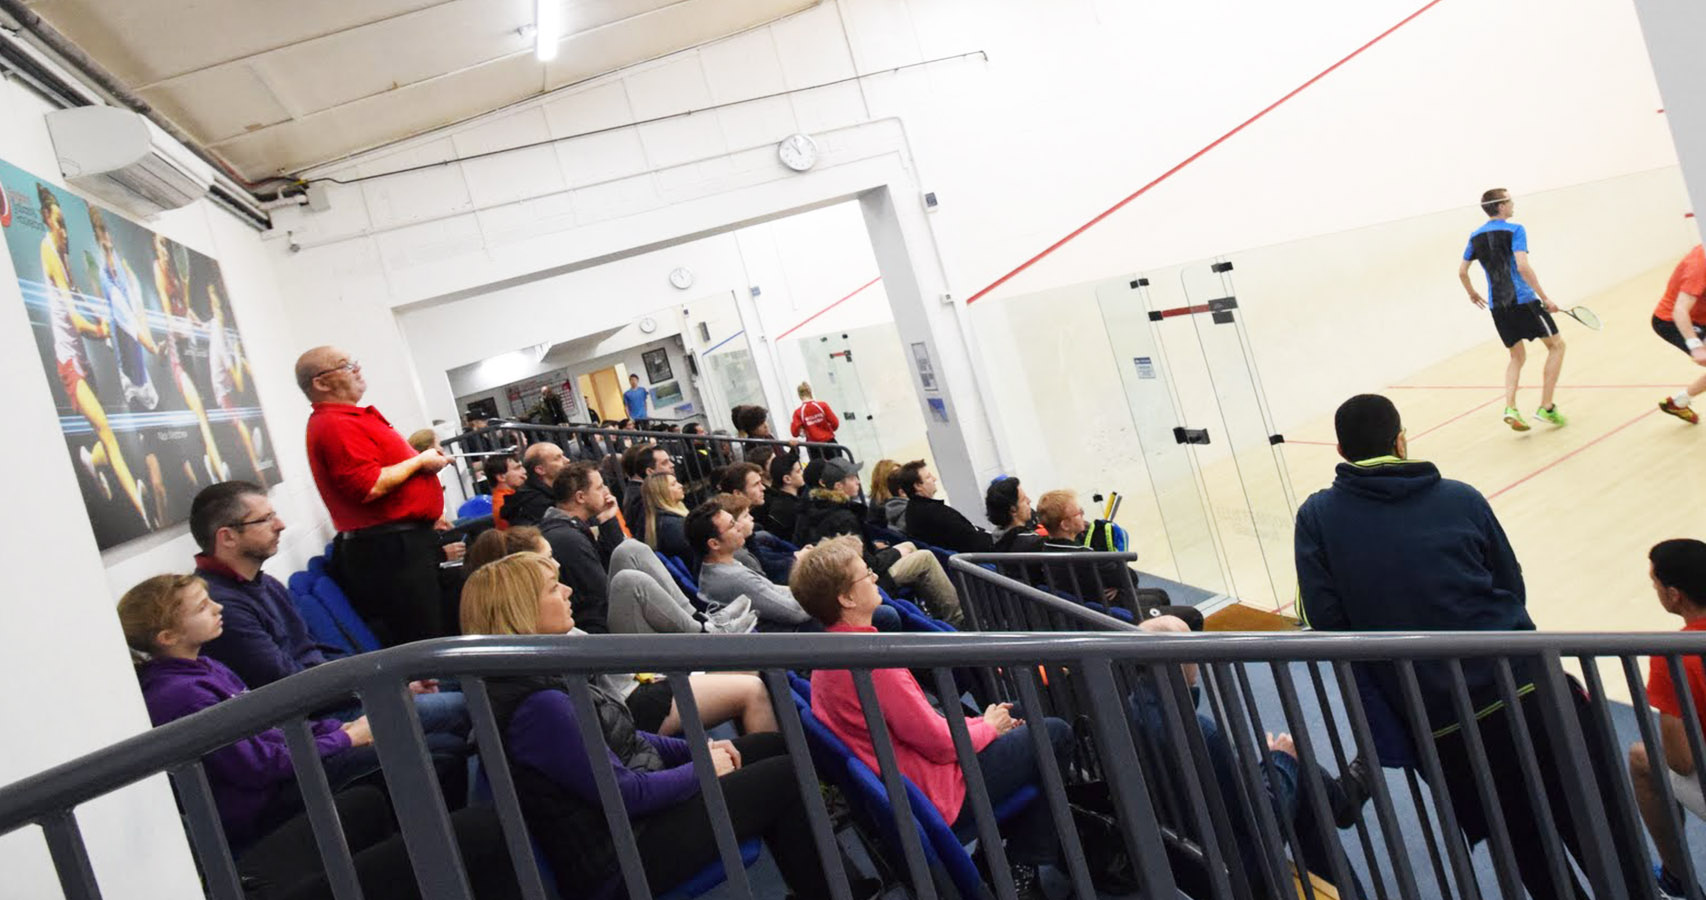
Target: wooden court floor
[1582, 503]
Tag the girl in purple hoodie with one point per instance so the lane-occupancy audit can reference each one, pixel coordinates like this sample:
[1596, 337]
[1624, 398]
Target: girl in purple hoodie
[166, 620]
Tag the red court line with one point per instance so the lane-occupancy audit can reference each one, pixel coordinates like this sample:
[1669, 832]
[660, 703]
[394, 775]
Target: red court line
[1477, 408]
[1198, 155]
[1182, 311]
[831, 306]
[1572, 453]
[1312, 443]
[1500, 387]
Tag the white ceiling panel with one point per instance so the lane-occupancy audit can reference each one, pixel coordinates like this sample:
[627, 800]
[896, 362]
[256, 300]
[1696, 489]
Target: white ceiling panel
[277, 88]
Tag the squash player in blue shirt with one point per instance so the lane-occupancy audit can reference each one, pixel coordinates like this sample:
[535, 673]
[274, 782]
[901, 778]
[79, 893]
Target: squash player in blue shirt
[1521, 310]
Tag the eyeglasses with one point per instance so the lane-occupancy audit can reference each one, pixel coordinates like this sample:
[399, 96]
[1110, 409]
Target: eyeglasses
[347, 366]
[263, 520]
[870, 575]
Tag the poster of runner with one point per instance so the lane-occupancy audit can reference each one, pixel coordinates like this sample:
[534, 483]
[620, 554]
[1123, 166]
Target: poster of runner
[155, 396]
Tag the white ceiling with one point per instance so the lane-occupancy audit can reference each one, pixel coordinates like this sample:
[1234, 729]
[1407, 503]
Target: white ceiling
[277, 87]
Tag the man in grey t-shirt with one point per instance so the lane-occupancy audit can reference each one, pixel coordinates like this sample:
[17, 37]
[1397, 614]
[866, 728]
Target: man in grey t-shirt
[722, 579]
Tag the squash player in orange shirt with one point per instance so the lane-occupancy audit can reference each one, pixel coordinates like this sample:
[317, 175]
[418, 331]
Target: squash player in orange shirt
[1680, 319]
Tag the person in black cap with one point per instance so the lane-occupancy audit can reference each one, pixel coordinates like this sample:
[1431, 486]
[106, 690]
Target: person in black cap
[832, 508]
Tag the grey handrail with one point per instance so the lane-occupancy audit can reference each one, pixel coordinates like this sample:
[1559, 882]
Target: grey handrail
[72, 783]
[972, 565]
[650, 436]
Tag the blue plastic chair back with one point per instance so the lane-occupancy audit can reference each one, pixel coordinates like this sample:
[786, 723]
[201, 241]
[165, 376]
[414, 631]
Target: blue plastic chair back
[913, 619]
[683, 577]
[475, 507]
[321, 625]
[317, 567]
[348, 622]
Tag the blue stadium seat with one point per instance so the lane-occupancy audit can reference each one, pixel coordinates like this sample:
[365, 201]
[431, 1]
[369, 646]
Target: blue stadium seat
[317, 566]
[865, 791]
[914, 619]
[355, 633]
[683, 578]
[475, 507]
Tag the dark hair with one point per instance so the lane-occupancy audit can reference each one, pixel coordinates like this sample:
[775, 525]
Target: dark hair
[575, 477]
[219, 506]
[1681, 563]
[496, 467]
[1000, 501]
[906, 479]
[760, 456]
[732, 479]
[631, 457]
[1490, 200]
[780, 465]
[701, 525]
[633, 375]
[748, 418]
[1367, 426]
[692, 428]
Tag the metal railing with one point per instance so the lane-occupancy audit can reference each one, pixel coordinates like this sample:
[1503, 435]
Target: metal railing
[696, 455]
[1168, 747]
[1063, 583]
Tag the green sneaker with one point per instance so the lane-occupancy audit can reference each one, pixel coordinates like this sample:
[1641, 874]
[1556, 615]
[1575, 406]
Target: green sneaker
[1514, 419]
[1551, 415]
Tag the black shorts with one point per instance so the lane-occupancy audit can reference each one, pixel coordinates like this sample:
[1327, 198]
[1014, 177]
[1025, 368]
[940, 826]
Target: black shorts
[650, 703]
[1666, 329]
[1523, 322]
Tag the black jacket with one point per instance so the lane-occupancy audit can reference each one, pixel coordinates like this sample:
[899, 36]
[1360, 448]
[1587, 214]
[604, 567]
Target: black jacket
[672, 537]
[781, 513]
[634, 508]
[582, 560]
[940, 525]
[826, 514]
[573, 833]
[528, 504]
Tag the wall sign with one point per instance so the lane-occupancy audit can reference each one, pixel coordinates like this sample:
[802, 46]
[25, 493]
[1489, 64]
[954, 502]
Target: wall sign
[926, 372]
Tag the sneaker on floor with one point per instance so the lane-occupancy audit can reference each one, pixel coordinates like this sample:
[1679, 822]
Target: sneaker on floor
[1514, 419]
[1686, 414]
[1551, 415]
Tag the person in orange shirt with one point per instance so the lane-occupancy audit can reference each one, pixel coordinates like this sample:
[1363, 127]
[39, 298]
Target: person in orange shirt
[504, 474]
[1680, 318]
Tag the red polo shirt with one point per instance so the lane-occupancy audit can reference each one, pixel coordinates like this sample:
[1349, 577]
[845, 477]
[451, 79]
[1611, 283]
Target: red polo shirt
[347, 446]
[1662, 694]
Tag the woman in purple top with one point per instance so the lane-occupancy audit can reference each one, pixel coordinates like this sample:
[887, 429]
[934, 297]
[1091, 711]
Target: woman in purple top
[520, 594]
[166, 620]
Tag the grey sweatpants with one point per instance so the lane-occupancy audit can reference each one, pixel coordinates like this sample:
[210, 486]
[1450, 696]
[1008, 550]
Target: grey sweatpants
[644, 599]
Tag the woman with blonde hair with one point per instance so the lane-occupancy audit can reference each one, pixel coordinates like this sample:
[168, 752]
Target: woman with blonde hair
[888, 506]
[520, 594]
[665, 513]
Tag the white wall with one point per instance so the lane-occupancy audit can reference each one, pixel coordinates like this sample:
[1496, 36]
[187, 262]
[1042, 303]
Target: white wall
[1079, 103]
[69, 671]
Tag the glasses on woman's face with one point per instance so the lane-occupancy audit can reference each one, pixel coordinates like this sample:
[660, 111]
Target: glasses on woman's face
[868, 575]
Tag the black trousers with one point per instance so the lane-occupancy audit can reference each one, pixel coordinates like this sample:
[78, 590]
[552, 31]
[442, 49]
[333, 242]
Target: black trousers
[763, 801]
[1505, 770]
[285, 865]
[392, 581]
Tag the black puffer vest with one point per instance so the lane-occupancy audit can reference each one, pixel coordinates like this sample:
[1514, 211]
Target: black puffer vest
[571, 831]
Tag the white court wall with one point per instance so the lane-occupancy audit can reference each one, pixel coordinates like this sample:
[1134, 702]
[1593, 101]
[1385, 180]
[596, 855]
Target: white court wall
[1079, 103]
[66, 661]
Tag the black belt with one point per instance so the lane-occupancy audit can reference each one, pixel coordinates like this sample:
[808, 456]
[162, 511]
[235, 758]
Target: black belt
[387, 528]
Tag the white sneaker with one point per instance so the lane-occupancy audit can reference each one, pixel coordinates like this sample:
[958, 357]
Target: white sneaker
[739, 625]
[87, 460]
[733, 610]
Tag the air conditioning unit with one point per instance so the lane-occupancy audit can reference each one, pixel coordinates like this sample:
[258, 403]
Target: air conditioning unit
[120, 157]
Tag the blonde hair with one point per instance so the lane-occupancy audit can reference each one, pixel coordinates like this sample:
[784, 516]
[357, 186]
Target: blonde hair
[493, 545]
[502, 597]
[804, 390]
[820, 576]
[880, 481]
[655, 491]
[735, 505]
[153, 606]
[423, 440]
[1051, 508]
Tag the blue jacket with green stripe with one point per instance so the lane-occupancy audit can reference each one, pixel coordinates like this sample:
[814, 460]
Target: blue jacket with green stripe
[1392, 546]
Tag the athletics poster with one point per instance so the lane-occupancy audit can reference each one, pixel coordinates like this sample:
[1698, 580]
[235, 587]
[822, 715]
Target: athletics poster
[155, 396]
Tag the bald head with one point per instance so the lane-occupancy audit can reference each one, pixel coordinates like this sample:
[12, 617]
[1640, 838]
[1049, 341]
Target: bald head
[544, 460]
[328, 374]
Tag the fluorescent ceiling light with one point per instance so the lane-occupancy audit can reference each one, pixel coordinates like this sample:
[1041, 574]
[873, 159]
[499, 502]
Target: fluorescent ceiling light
[548, 19]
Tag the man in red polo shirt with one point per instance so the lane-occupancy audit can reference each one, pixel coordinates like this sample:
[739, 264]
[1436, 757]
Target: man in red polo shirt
[1679, 578]
[384, 499]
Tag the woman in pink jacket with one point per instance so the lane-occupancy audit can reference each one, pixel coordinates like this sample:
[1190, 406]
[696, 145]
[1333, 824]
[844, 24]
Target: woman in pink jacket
[833, 583]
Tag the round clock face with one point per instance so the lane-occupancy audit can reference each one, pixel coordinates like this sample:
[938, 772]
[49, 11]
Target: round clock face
[798, 152]
[648, 325]
[681, 277]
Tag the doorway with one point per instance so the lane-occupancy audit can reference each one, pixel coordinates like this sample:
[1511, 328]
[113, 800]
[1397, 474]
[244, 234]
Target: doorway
[603, 388]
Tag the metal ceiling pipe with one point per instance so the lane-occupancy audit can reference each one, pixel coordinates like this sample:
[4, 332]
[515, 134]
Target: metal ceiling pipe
[15, 14]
